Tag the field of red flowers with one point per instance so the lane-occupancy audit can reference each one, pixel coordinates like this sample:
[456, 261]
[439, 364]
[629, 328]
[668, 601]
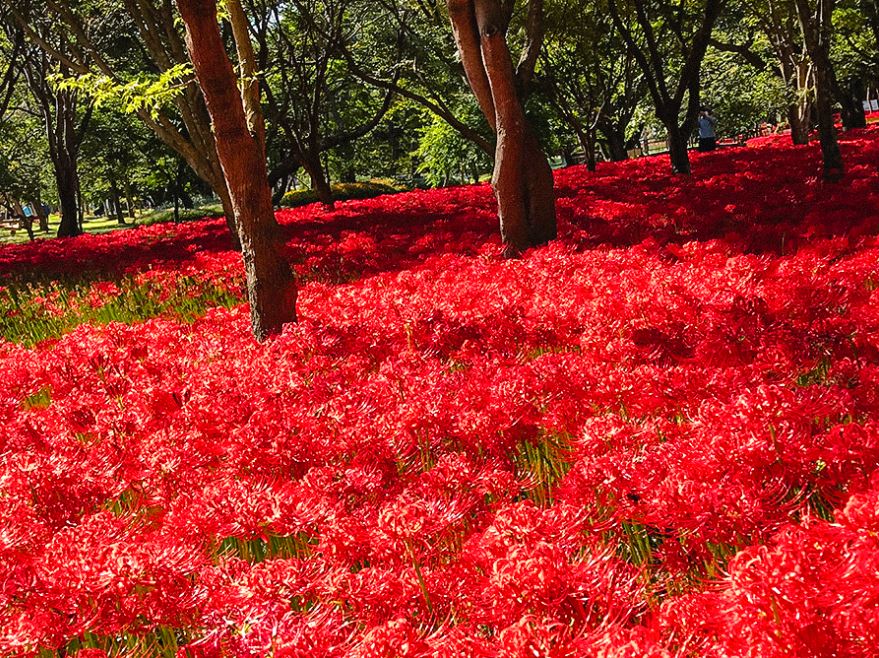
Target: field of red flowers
[655, 438]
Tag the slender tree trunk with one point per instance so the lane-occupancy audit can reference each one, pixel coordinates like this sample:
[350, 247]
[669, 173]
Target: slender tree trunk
[80, 204]
[116, 202]
[817, 28]
[27, 223]
[678, 148]
[68, 196]
[522, 181]
[319, 183]
[129, 197]
[280, 189]
[271, 286]
[40, 211]
[180, 192]
[588, 142]
[850, 95]
[798, 116]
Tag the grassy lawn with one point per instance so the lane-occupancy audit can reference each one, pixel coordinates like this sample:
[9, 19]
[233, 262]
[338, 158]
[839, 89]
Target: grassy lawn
[98, 225]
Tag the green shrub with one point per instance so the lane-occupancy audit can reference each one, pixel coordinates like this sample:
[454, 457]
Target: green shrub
[341, 192]
[186, 215]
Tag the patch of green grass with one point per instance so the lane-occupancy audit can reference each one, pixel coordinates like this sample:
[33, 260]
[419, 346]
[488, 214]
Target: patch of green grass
[161, 642]
[33, 312]
[542, 464]
[100, 225]
[95, 225]
[255, 551]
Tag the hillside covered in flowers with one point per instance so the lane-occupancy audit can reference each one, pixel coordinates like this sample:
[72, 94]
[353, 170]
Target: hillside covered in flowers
[656, 437]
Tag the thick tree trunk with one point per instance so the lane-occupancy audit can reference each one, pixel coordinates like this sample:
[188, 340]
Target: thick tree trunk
[271, 285]
[522, 180]
[678, 149]
[40, 211]
[540, 191]
[229, 214]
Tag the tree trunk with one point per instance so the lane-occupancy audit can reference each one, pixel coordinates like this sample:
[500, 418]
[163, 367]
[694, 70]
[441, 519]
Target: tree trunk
[834, 169]
[68, 195]
[271, 286]
[229, 213]
[616, 143]
[522, 181]
[40, 211]
[184, 197]
[116, 203]
[817, 28]
[678, 148]
[27, 223]
[588, 143]
[319, 183]
[850, 95]
[129, 197]
[798, 116]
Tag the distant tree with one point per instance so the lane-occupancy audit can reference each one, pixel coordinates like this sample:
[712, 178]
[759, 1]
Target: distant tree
[113, 159]
[669, 42]
[816, 23]
[740, 95]
[299, 54]
[132, 50]
[590, 76]
[855, 55]
[420, 71]
[26, 171]
[65, 117]
[448, 157]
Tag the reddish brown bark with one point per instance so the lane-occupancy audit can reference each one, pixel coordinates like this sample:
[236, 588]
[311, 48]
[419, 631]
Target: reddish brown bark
[271, 286]
[522, 181]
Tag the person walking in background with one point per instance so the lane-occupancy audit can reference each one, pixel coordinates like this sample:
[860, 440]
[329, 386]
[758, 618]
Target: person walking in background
[707, 134]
